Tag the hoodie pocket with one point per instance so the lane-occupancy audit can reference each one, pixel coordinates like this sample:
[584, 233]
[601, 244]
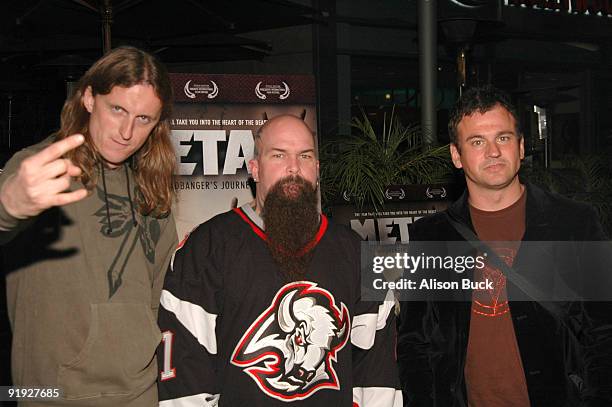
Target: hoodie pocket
[118, 357]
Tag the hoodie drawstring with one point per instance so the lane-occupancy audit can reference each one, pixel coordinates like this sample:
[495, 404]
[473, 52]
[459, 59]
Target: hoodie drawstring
[109, 228]
[127, 177]
[108, 221]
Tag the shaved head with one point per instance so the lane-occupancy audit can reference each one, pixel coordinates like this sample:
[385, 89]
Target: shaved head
[280, 120]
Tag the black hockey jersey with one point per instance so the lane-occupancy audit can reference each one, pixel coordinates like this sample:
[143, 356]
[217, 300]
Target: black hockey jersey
[235, 333]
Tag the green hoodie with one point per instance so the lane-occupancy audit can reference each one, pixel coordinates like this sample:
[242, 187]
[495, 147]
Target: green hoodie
[82, 299]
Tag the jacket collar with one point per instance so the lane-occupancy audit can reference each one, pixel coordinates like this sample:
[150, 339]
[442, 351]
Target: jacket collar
[537, 217]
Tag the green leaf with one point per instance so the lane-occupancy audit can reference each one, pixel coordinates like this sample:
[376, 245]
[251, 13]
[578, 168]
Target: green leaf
[369, 161]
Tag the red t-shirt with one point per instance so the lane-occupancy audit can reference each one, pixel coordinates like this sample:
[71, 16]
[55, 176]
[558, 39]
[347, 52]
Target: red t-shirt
[493, 369]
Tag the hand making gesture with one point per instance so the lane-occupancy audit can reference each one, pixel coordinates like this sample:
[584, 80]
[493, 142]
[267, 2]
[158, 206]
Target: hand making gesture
[42, 180]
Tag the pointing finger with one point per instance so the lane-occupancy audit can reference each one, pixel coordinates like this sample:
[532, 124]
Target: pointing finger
[58, 149]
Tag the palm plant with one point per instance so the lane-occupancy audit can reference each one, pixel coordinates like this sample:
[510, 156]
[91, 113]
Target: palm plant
[368, 161]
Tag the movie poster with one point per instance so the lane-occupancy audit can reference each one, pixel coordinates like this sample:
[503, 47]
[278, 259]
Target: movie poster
[213, 122]
[404, 205]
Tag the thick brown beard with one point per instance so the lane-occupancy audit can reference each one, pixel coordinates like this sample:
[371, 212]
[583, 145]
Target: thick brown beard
[291, 223]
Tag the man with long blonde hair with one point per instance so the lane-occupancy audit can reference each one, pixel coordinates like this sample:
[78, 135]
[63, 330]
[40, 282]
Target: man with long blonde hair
[85, 219]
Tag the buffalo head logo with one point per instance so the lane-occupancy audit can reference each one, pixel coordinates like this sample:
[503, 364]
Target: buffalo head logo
[290, 349]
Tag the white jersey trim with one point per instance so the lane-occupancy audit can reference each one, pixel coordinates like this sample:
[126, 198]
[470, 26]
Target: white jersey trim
[377, 397]
[252, 215]
[197, 400]
[200, 323]
[365, 326]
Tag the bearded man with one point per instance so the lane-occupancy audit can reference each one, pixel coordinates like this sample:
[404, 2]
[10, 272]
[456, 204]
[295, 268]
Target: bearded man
[261, 305]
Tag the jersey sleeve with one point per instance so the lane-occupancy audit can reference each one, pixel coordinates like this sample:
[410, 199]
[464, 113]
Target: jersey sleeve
[164, 252]
[373, 339]
[188, 314]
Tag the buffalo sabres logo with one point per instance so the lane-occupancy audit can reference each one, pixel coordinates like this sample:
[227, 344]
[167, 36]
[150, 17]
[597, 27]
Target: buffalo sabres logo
[290, 349]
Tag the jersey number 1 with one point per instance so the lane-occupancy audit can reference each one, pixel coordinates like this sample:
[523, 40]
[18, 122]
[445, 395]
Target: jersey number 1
[169, 372]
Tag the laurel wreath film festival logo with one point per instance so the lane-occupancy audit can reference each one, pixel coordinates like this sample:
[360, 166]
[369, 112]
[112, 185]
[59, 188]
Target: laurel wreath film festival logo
[395, 193]
[435, 192]
[193, 89]
[263, 91]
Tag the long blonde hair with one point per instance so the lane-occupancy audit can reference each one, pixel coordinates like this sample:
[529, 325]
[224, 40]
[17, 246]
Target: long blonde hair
[154, 162]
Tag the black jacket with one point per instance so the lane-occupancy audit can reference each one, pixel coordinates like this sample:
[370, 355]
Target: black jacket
[566, 355]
